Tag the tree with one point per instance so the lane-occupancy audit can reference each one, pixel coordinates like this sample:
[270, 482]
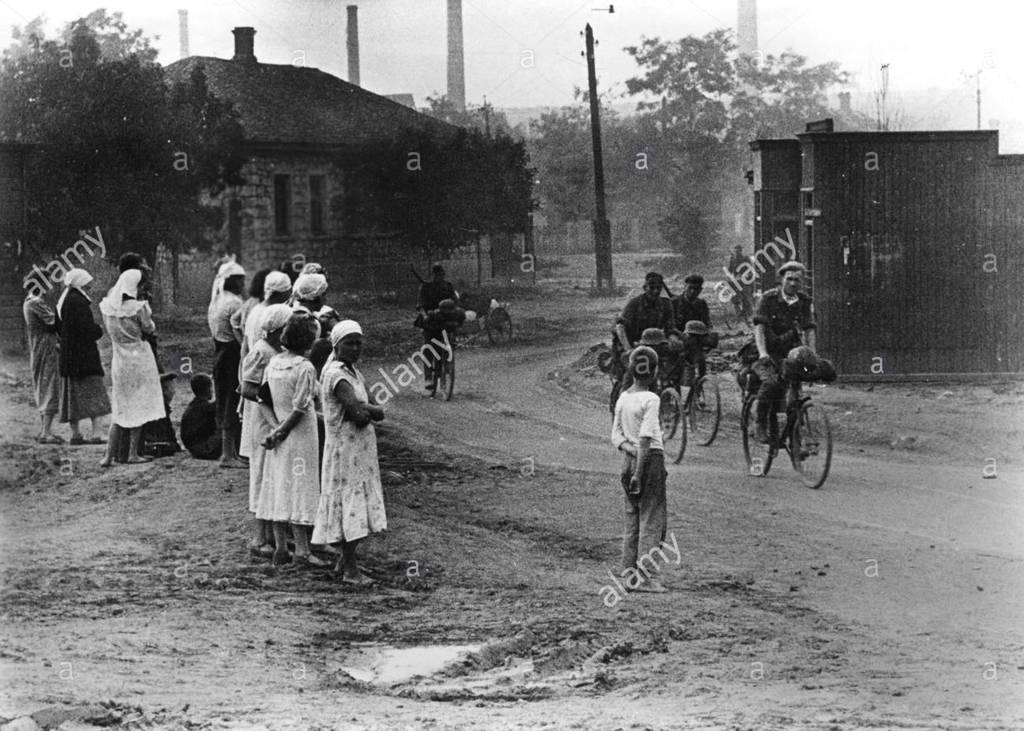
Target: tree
[484, 118]
[443, 192]
[705, 103]
[115, 146]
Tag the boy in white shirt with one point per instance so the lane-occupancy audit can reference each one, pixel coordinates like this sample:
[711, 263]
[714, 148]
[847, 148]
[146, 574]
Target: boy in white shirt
[636, 430]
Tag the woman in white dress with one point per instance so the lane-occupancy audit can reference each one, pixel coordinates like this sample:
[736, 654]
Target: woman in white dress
[277, 288]
[137, 395]
[290, 489]
[352, 498]
[266, 344]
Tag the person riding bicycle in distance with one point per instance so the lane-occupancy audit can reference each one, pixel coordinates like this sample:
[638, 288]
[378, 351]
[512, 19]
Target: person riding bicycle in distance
[432, 293]
[447, 317]
[783, 320]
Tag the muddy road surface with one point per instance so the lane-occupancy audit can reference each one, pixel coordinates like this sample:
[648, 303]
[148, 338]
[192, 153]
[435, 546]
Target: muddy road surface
[891, 598]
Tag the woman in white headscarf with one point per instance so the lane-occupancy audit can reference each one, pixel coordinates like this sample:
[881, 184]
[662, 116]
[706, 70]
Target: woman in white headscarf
[255, 429]
[82, 393]
[351, 496]
[137, 395]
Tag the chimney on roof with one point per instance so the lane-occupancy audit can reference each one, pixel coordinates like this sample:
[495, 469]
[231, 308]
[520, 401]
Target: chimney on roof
[844, 102]
[183, 33]
[244, 41]
[746, 27]
[353, 44]
[456, 66]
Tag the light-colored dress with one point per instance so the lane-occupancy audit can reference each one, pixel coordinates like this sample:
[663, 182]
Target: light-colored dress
[136, 391]
[290, 489]
[249, 321]
[44, 353]
[352, 498]
[253, 368]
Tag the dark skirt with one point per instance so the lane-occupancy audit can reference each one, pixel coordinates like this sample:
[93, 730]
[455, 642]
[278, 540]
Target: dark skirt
[225, 383]
[83, 398]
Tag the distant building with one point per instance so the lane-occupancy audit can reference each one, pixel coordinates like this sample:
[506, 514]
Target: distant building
[294, 204]
[13, 234]
[914, 240]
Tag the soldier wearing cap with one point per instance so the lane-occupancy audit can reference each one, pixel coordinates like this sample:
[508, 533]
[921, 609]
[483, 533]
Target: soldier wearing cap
[693, 317]
[433, 294]
[646, 310]
[783, 320]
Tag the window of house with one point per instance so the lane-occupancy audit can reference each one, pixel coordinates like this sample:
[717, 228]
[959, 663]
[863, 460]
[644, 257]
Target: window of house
[316, 203]
[282, 205]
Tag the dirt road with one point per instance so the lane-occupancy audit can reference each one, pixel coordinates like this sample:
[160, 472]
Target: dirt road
[892, 598]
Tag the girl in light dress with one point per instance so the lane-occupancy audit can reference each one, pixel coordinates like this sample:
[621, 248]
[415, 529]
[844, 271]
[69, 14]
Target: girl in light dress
[290, 487]
[352, 498]
[267, 343]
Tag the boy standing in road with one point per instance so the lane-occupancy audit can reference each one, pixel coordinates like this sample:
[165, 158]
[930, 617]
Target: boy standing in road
[636, 430]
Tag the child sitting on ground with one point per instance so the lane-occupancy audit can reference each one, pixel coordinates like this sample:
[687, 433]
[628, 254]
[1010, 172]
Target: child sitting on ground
[199, 422]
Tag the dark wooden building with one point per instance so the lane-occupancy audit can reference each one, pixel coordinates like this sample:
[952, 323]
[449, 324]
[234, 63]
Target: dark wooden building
[12, 242]
[914, 241]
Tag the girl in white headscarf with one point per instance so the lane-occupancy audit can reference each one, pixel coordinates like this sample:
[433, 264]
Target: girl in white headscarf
[137, 395]
[351, 498]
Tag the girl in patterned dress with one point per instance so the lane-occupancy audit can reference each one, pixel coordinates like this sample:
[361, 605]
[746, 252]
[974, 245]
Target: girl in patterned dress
[352, 498]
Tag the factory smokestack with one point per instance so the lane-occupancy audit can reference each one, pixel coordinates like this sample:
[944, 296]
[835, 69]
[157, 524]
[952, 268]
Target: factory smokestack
[456, 68]
[353, 44]
[746, 27]
[183, 33]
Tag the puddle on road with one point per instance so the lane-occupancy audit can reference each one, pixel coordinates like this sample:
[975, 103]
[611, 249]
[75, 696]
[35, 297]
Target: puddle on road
[386, 665]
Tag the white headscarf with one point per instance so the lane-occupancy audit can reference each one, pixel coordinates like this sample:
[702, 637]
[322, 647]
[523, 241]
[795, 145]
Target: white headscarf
[276, 282]
[343, 328]
[309, 286]
[227, 269]
[73, 279]
[114, 304]
[273, 318]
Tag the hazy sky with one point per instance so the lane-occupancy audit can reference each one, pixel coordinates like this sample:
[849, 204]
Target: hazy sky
[403, 42]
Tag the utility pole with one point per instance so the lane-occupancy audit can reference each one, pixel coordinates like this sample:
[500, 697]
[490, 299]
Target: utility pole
[883, 121]
[602, 228]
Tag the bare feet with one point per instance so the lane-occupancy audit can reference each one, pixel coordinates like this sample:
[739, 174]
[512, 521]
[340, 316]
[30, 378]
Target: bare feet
[358, 580]
[139, 459]
[107, 462]
[233, 464]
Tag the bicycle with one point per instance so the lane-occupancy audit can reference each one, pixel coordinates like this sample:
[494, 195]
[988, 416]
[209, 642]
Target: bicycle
[806, 437]
[442, 373]
[699, 412]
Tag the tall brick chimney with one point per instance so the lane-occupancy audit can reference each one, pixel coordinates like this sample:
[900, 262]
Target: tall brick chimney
[844, 102]
[456, 66]
[352, 36]
[746, 26]
[183, 33]
[244, 42]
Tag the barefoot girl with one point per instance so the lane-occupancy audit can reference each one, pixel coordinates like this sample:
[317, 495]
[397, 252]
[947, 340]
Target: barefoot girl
[352, 502]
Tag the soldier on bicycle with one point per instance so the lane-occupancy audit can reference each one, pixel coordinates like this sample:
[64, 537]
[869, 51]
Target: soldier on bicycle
[647, 310]
[783, 320]
[693, 319]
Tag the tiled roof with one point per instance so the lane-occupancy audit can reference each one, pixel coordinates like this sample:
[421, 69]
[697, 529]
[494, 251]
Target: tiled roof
[301, 105]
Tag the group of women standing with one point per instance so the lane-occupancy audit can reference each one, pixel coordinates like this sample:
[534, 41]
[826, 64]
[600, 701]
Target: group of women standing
[306, 429]
[334, 500]
[67, 372]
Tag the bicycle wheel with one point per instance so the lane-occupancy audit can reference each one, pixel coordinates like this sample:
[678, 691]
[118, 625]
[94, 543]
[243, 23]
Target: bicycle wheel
[758, 456]
[811, 445]
[673, 426]
[447, 384]
[705, 407]
[499, 326]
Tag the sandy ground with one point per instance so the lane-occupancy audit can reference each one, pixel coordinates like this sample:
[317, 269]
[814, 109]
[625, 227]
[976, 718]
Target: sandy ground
[891, 598]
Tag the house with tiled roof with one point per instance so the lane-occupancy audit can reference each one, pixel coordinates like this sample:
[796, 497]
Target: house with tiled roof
[298, 123]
